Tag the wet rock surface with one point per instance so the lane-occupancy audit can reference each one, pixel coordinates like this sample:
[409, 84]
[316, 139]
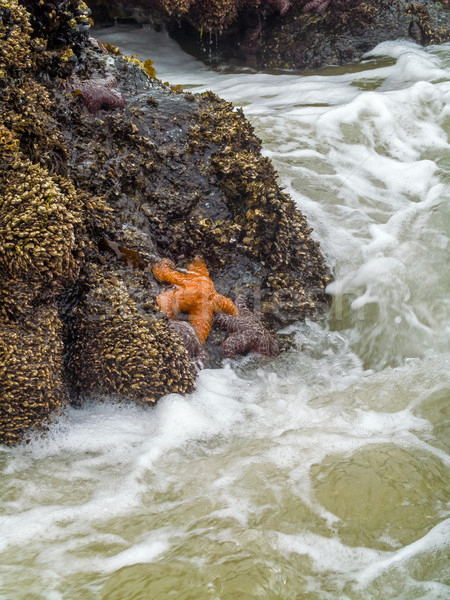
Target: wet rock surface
[343, 30]
[296, 34]
[89, 198]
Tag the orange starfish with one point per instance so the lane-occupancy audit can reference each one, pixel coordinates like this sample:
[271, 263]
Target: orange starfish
[194, 293]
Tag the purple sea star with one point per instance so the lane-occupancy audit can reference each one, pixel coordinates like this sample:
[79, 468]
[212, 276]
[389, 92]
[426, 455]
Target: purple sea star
[97, 92]
[197, 353]
[318, 6]
[247, 333]
[280, 6]
[335, 6]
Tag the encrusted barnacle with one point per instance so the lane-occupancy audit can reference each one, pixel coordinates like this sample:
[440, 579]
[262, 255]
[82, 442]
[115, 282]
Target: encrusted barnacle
[60, 22]
[31, 360]
[15, 37]
[39, 228]
[129, 355]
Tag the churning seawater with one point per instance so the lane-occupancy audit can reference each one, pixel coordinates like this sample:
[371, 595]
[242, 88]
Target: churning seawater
[325, 473]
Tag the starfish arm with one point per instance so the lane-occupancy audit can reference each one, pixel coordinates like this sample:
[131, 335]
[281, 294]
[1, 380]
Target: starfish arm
[223, 304]
[199, 267]
[113, 98]
[266, 344]
[164, 271]
[197, 353]
[200, 318]
[93, 104]
[202, 358]
[168, 304]
[227, 322]
[274, 349]
[108, 82]
[237, 343]
[242, 307]
[319, 6]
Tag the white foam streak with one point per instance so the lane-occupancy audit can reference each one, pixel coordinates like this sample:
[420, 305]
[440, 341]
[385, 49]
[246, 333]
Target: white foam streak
[435, 540]
[328, 553]
[144, 552]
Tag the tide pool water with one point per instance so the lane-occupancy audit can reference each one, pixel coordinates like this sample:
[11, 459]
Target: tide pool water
[323, 474]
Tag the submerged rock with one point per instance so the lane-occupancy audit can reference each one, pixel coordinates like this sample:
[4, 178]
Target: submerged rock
[88, 199]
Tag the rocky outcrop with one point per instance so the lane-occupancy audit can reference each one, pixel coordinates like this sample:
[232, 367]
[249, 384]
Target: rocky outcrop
[93, 186]
[338, 32]
[288, 34]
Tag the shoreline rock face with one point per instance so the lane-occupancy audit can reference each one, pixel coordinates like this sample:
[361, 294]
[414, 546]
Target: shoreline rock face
[287, 34]
[340, 32]
[91, 190]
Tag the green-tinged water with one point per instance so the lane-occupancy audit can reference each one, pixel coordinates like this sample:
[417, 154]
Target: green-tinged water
[325, 473]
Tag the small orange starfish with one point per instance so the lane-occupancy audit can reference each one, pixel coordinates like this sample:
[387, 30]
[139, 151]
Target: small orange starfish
[194, 293]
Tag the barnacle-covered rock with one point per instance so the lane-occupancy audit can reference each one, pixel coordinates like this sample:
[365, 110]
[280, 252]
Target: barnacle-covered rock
[15, 37]
[49, 35]
[209, 16]
[89, 199]
[59, 22]
[265, 227]
[334, 32]
[44, 227]
[121, 351]
[38, 217]
[184, 175]
[25, 112]
[31, 369]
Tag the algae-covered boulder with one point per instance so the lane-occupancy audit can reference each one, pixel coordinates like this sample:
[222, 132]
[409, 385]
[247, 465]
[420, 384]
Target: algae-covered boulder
[103, 168]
